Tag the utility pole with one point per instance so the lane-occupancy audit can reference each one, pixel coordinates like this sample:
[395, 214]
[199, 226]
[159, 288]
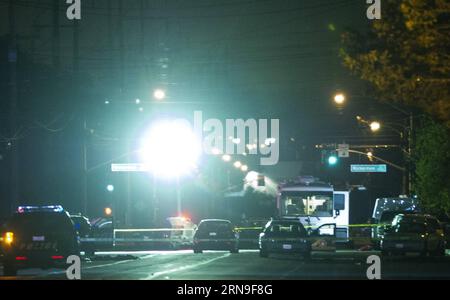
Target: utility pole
[12, 59]
[410, 145]
[76, 69]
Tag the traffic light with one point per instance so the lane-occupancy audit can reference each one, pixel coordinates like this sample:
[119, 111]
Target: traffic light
[333, 159]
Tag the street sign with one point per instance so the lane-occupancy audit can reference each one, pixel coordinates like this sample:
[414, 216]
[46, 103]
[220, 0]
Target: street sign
[128, 168]
[343, 150]
[368, 168]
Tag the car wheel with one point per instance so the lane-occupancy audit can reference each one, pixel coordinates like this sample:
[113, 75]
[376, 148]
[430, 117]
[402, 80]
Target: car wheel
[263, 253]
[9, 270]
[198, 251]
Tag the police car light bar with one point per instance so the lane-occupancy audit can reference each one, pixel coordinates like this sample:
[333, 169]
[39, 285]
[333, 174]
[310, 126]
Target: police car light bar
[48, 208]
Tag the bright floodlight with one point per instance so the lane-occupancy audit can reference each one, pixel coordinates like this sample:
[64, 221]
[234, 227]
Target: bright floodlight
[237, 164]
[159, 94]
[171, 149]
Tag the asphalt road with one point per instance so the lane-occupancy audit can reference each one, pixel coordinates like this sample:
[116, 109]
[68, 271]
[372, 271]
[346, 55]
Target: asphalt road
[184, 265]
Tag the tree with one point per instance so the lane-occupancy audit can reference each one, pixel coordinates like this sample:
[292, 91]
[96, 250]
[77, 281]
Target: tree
[432, 157]
[404, 56]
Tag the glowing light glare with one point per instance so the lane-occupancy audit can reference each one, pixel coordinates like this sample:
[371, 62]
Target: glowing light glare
[237, 164]
[159, 94]
[339, 98]
[171, 149]
[226, 158]
[252, 146]
[332, 160]
[369, 154]
[375, 126]
[236, 140]
[270, 141]
[108, 211]
[110, 188]
[9, 238]
[244, 168]
[138, 101]
[215, 151]
[251, 176]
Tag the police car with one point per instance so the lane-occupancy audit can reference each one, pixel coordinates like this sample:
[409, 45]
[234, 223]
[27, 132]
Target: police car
[38, 237]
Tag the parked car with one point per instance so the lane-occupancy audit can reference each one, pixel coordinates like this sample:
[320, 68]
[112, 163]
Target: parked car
[284, 236]
[38, 237]
[383, 224]
[414, 233]
[215, 234]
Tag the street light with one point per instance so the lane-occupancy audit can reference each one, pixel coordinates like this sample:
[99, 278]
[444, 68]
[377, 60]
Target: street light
[339, 98]
[237, 164]
[226, 158]
[244, 168]
[110, 188]
[375, 126]
[108, 211]
[159, 94]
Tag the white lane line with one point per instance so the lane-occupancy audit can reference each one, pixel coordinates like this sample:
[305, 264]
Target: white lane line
[157, 274]
[109, 265]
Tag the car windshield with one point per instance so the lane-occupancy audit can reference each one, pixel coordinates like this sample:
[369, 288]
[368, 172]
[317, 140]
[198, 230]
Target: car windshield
[318, 204]
[284, 229]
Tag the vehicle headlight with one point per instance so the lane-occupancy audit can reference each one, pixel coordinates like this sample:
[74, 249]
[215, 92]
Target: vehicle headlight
[9, 238]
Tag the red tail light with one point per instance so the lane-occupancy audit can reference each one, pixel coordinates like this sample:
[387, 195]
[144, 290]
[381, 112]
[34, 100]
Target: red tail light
[21, 258]
[57, 257]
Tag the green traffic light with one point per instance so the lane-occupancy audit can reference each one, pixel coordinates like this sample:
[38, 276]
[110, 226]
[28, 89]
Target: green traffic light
[332, 160]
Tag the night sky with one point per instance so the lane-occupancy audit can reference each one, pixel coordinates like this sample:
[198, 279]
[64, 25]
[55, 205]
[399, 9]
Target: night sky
[228, 58]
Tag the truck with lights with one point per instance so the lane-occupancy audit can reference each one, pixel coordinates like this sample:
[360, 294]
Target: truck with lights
[316, 204]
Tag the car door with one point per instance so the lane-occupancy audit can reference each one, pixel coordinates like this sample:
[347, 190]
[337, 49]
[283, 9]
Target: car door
[323, 238]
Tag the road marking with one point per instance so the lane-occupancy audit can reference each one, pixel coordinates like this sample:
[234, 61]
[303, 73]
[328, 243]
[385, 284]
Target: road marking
[157, 274]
